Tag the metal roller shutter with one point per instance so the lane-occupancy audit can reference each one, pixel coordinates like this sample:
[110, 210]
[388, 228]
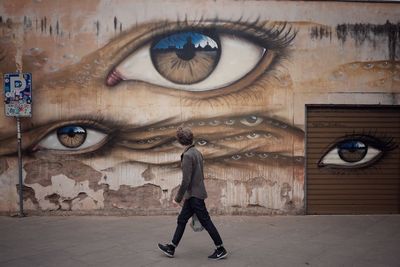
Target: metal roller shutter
[352, 159]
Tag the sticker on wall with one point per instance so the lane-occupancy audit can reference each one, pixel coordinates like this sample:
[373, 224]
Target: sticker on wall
[18, 94]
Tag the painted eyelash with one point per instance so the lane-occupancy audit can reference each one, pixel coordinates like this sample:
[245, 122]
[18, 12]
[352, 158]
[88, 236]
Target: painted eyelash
[277, 36]
[384, 143]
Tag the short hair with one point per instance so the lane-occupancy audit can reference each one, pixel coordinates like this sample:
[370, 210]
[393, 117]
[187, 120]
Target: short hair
[184, 136]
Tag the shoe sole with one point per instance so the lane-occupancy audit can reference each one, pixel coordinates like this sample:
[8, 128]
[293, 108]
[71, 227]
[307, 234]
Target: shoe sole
[169, 255]
[220, 258]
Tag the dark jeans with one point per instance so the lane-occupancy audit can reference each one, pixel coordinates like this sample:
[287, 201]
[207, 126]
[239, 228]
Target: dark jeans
[197, 206]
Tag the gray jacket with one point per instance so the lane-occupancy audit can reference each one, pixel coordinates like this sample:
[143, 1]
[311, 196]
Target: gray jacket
[192, 175]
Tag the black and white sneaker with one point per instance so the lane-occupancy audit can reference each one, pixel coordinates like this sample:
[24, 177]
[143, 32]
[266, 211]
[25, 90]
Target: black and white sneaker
[168, 249]
[219, 253]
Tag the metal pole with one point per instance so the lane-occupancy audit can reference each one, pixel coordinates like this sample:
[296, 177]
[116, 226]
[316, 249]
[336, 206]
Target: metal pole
[21, 199]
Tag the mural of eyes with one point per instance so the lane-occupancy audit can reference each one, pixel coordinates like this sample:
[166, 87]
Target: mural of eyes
[356, 151]
[72, 138]
[202, 59]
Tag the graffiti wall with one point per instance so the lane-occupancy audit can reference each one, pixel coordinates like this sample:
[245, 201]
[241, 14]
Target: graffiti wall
[112, 80]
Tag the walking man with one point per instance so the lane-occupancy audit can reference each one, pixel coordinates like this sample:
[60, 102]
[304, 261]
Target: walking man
[193, 192]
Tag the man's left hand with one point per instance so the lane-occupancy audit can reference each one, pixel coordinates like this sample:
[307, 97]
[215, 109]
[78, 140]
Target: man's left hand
[176, 204]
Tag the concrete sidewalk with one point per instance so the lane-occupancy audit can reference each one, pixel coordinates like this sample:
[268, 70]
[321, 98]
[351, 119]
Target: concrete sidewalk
[250, 241]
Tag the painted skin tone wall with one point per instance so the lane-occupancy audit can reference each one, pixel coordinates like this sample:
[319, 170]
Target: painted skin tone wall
[108, 96]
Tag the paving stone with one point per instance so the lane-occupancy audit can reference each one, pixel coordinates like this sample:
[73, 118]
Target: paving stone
[251, 241]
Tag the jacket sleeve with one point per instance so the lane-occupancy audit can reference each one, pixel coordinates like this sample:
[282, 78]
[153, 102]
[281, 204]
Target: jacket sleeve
[187, 168]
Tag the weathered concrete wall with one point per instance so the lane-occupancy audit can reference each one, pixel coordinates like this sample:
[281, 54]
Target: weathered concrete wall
[112, 82]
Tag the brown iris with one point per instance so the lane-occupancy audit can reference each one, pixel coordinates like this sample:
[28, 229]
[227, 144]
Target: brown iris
[71, 136]
[185, 58]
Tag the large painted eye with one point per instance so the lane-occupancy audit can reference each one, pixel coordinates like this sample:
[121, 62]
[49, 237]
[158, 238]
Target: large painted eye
[72, 137]
[358, 152]
[190, 60]
[185, 58]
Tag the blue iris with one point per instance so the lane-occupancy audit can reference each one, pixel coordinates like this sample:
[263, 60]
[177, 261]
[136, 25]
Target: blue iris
[352, 145]
[352, 150]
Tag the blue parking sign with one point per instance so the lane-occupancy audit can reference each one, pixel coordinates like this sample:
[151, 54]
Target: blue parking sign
[18, 94]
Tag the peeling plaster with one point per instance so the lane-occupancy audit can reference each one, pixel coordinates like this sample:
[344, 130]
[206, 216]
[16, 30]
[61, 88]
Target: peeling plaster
[42, 171]
[141, 197]
[67, 194]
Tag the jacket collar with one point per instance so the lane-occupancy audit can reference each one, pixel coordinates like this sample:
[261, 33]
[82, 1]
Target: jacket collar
[188, 147]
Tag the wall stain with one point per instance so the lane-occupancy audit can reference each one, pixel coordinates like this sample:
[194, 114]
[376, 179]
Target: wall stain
[97, 28]
[362, 32]
[82, 195]
[258, 182]
[319, 32]
[3, 165]
[28, 193]
[68, 202]
[285, 195]
[255, 206]
[55, 199]
[8, 49]
[9, 23]
[27, 23]
[3, 54]
[148, 174]
[115, 23]
[215, 189]
[45, 24]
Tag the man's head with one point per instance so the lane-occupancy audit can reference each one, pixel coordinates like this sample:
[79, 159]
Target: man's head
[184, 136]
